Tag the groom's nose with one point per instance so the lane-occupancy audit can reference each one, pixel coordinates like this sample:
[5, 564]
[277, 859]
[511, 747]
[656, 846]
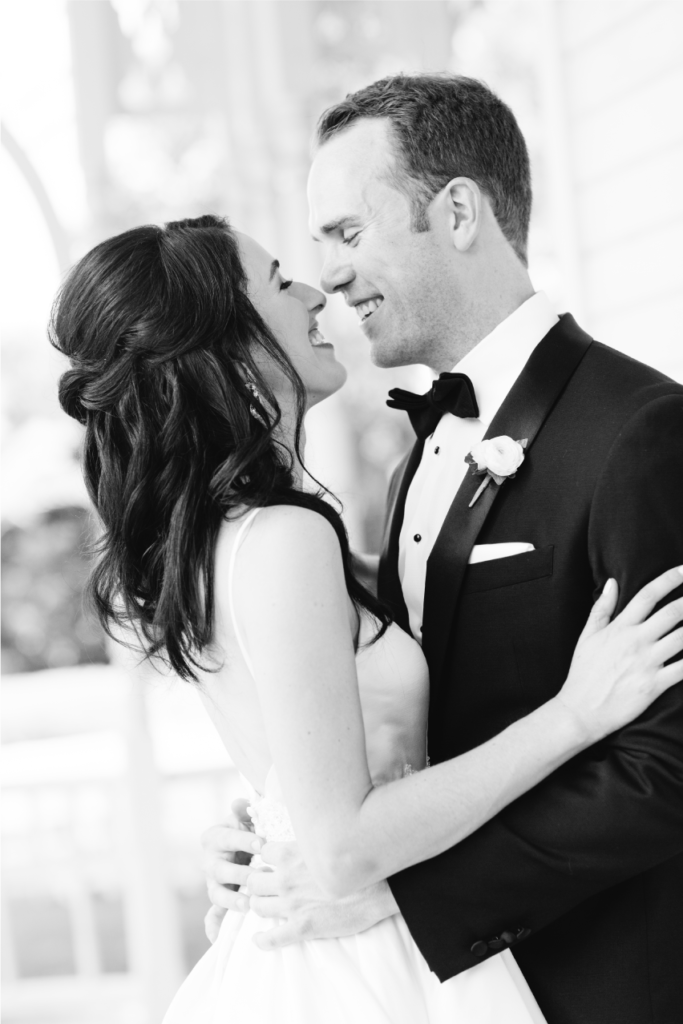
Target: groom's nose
[337, 272]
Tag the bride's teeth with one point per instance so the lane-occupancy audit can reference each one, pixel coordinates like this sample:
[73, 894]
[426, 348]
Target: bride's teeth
[316, 338]
[364, 309]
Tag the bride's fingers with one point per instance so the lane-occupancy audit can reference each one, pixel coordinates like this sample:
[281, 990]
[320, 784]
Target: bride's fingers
[212, 922]
[670, 675]
[240, 808]
[643, 604]
[602, 610]
[664, 620]
[669, 646]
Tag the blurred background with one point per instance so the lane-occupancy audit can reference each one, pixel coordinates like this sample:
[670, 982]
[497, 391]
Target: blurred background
[121, 112]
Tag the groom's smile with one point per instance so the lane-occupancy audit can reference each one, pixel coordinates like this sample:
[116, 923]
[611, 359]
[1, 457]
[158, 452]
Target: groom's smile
[366, 307]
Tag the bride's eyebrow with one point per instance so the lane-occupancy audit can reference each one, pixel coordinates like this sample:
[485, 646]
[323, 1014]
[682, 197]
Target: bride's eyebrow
[274, 267]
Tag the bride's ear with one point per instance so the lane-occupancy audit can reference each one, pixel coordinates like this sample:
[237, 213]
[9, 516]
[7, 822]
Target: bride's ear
[464, 205]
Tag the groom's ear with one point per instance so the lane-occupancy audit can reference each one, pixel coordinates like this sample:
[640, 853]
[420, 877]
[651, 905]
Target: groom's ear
[464, 207]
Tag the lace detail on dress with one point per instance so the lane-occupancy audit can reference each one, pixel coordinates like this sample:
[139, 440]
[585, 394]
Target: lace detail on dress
[271, 820]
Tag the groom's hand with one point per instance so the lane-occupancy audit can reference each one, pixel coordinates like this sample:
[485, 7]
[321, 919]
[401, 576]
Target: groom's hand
[228, 850]
[288, 891]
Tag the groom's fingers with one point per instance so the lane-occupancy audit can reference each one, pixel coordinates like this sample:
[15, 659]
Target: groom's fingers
[221, 839]
[645, 601]
[279, 854]
[264, 883]
[286, 934]
[267, 906]
[227, 899]
[227, 873]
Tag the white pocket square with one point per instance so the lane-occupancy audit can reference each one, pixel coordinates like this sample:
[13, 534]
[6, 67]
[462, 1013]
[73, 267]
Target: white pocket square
[486, 552]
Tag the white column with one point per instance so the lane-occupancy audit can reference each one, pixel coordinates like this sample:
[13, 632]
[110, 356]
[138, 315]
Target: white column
[153, 929]
[558, 157]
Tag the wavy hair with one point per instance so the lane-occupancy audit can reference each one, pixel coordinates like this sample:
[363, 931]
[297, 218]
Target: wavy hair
[162, 338]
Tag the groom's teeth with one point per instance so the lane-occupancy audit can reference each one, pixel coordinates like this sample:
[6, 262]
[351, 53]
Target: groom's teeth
[316, 338]
[364, 309]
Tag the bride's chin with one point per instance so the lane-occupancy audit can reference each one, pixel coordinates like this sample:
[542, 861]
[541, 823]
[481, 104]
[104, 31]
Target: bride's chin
[325, 389]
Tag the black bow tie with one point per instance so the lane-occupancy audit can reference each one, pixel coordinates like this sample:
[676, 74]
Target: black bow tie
[452, 392]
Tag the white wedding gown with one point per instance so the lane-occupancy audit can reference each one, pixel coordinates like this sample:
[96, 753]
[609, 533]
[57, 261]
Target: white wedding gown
[378, 976]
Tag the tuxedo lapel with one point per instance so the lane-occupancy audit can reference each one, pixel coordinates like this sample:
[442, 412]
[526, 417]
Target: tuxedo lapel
[388, 582]
[521, 415]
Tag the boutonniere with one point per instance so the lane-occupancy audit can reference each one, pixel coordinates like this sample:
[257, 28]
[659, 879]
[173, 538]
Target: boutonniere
[497, 459]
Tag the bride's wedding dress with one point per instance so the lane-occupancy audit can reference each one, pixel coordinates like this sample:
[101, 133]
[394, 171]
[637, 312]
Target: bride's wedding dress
[378, 976]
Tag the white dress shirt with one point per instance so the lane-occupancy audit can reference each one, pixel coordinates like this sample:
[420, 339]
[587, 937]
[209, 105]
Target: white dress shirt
[493, 366]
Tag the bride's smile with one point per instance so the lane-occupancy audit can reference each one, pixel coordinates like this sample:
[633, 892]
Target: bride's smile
[291, 310]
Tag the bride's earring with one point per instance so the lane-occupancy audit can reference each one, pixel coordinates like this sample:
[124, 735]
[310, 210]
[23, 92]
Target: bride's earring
[251, 386]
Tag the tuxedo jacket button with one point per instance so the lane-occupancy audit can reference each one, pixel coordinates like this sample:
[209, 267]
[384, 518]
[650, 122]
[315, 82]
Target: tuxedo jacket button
[523, 933]
[479, 948]
[497, 944]
[508, 937]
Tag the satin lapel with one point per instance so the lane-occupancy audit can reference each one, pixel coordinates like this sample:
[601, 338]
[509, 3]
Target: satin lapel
[522, 414]
[388, 581]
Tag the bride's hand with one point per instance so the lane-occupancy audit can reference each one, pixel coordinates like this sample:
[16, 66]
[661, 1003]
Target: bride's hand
[618, 667]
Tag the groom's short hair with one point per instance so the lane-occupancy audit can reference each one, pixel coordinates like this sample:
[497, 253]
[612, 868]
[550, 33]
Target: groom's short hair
[447, 126]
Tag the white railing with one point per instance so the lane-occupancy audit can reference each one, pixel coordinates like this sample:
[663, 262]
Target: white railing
[91, 823]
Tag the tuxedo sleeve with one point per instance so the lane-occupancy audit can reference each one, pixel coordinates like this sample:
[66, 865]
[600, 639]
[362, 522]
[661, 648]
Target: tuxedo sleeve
[617, 809]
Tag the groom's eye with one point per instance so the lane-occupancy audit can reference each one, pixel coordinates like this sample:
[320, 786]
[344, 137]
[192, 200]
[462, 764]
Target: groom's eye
[284, 285]
[349, 239]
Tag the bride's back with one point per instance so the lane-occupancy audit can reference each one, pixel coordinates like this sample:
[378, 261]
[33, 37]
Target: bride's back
[392, 673]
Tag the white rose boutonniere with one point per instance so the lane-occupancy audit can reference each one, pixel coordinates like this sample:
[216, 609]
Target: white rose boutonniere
[497, 459]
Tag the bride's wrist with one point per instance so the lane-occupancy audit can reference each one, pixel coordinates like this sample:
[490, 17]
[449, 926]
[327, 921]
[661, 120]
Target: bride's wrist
[570, 728]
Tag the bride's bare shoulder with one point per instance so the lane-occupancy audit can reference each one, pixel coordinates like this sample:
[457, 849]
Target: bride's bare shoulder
[281, 536]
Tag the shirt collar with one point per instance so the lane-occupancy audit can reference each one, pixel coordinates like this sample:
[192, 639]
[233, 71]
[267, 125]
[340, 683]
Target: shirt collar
[496, 362]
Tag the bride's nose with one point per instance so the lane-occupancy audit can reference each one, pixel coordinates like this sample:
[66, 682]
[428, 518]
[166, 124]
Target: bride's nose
[314, 299]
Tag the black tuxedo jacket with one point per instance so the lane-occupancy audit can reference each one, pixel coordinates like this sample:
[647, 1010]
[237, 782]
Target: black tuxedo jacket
[582, 876]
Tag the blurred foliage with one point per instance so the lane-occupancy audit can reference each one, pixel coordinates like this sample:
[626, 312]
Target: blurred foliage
[45, 621]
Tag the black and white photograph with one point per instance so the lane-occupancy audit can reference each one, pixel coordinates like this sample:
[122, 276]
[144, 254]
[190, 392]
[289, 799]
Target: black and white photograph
[342, 512]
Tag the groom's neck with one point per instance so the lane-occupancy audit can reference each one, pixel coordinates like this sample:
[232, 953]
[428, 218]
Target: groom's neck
[489, 300]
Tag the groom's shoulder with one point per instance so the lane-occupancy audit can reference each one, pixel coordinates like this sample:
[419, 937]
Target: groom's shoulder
[616, 381]
[631, 371]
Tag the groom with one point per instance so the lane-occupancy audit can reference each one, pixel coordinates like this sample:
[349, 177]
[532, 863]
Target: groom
[420, 197]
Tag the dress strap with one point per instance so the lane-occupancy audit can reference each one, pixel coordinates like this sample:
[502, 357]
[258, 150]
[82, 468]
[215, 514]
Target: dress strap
[241, 534]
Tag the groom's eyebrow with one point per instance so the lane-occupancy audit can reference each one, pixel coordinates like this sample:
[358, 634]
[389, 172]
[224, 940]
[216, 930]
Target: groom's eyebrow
[274, 267]
[337, 225]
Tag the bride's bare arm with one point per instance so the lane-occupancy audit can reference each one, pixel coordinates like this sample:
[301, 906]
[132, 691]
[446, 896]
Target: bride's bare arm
[293, 609]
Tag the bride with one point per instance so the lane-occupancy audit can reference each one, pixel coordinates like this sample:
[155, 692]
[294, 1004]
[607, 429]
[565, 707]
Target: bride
[192, 363]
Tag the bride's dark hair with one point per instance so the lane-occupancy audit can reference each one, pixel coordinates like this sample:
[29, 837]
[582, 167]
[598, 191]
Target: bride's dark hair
[162, 339]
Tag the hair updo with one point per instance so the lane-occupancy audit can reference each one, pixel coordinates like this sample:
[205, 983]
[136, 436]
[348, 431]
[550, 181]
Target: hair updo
[161, 336]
